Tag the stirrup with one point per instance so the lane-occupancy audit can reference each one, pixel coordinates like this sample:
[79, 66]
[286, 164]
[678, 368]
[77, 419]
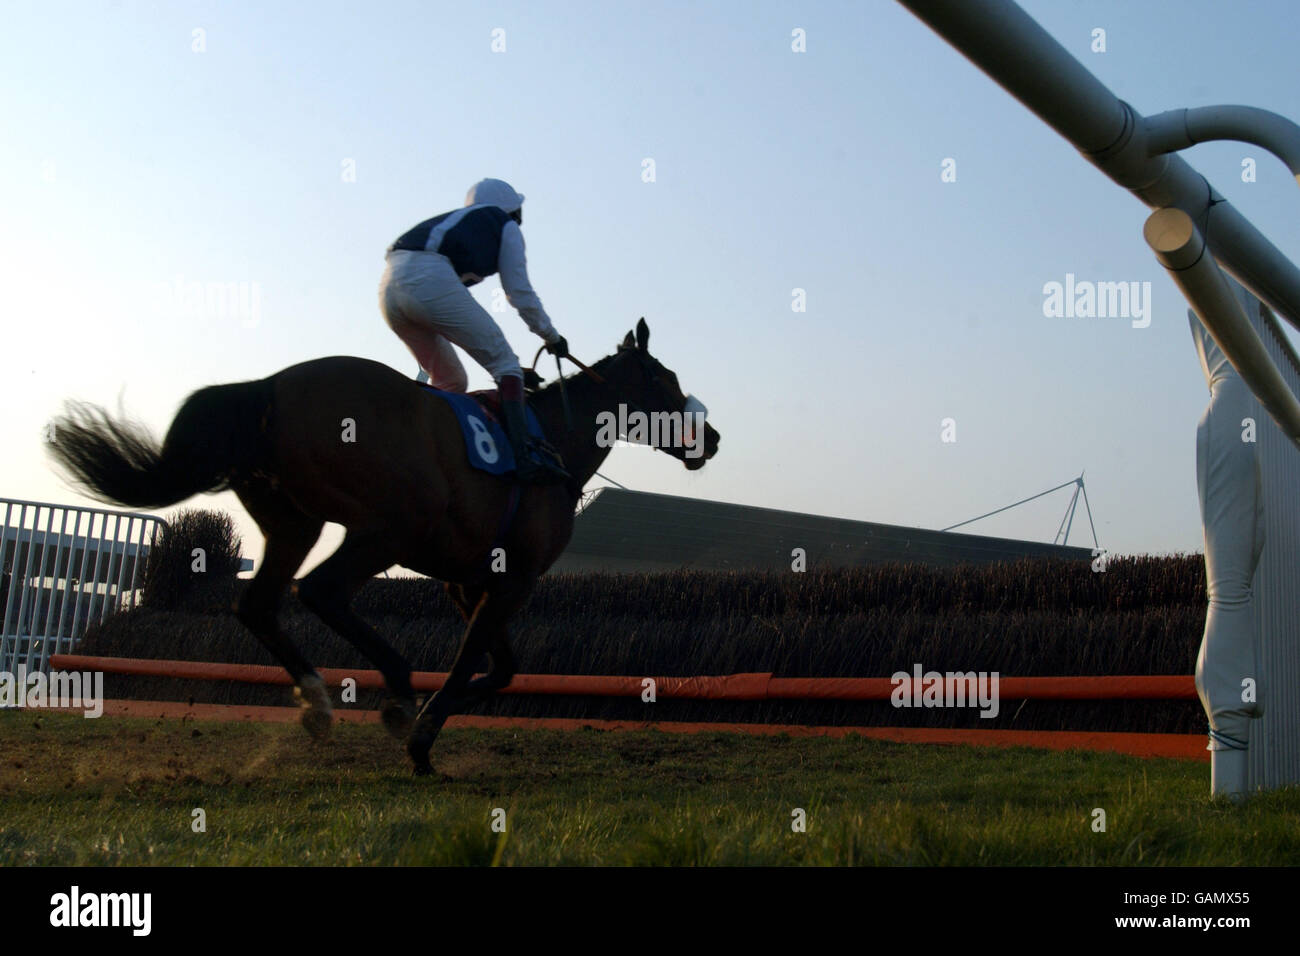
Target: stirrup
[539, 464]
[543, 450]
[541, 472]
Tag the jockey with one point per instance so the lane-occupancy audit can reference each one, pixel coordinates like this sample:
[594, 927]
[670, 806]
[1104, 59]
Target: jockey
[424, 299]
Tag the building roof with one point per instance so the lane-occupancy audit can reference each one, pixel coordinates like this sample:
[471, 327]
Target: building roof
[624, 530]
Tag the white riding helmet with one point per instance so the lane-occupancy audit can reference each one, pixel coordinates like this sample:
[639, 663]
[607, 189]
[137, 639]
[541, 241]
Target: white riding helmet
[494, 192]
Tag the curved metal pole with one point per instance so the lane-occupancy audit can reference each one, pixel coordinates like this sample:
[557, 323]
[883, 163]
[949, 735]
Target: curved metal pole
[1181, 249]
[1179, 129]
[1007, 44]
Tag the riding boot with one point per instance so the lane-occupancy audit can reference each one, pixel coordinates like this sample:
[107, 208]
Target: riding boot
[529, 466]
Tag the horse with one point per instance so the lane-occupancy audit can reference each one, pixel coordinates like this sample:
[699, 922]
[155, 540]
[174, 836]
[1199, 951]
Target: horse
[354, 442]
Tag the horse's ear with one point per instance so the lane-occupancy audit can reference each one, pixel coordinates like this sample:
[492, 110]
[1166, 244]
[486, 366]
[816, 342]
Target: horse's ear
[628, 342]
[642, 334]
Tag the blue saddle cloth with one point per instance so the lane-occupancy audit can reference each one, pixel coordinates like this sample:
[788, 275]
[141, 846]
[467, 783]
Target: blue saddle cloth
[486, 443]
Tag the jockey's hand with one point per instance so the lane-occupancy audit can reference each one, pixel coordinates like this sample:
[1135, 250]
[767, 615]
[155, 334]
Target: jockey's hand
[532, 381]
[558, 348]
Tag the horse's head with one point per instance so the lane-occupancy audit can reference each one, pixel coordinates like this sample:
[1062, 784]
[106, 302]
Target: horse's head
[651, 407]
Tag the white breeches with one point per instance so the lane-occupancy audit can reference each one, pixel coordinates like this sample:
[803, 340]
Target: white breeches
[424, 301]
[1227, 478]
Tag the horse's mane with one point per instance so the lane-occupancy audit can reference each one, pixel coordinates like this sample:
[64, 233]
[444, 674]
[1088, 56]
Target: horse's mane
[577, 373]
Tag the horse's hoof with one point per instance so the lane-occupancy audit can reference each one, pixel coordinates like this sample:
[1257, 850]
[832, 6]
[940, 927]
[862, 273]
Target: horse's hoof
[398, 716]
[418, 746]
[318, 712]
[317, 723]
[422, 767]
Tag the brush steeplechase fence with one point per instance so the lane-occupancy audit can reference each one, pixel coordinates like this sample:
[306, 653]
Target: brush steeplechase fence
[734, 687]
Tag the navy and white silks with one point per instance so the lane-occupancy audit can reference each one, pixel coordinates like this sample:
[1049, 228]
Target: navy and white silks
[424, 296]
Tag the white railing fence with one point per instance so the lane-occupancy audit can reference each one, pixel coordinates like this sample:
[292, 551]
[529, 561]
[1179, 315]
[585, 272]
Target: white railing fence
[62, 567]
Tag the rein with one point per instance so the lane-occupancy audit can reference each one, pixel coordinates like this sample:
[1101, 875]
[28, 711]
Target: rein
[564, 396]
[576, 362]
[586, 368]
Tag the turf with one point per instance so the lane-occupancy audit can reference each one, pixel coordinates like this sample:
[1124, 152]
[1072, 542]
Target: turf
[95, 792]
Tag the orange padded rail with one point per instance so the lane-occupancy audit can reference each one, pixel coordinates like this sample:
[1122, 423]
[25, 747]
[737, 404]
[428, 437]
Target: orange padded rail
[725, 687]
[1178, 746]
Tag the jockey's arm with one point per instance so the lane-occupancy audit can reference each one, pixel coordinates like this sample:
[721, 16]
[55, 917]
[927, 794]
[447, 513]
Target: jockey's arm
[519, 291]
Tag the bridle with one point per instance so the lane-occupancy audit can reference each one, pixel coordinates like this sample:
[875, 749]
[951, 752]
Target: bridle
[587, 370]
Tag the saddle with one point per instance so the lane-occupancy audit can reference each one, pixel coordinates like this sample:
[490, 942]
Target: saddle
[489, 399]
[490, 451]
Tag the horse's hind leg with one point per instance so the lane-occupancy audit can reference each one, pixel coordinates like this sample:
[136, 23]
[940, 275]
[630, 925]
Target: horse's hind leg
[289, 537]
[328, 592]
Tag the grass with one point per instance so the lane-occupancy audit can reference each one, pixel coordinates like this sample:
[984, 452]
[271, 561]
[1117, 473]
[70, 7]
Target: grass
[109, 792]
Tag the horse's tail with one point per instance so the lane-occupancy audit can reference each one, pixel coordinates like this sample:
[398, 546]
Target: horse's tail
[215, 438]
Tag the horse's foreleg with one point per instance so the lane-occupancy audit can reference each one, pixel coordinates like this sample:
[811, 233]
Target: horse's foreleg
[443, 704]
[502, 672]
[487, 629]
[466, 597]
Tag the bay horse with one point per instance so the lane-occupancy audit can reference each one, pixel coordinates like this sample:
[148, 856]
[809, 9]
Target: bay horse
[352, 441]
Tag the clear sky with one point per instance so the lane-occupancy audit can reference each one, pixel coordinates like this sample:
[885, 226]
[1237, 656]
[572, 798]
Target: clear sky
[137, 155]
